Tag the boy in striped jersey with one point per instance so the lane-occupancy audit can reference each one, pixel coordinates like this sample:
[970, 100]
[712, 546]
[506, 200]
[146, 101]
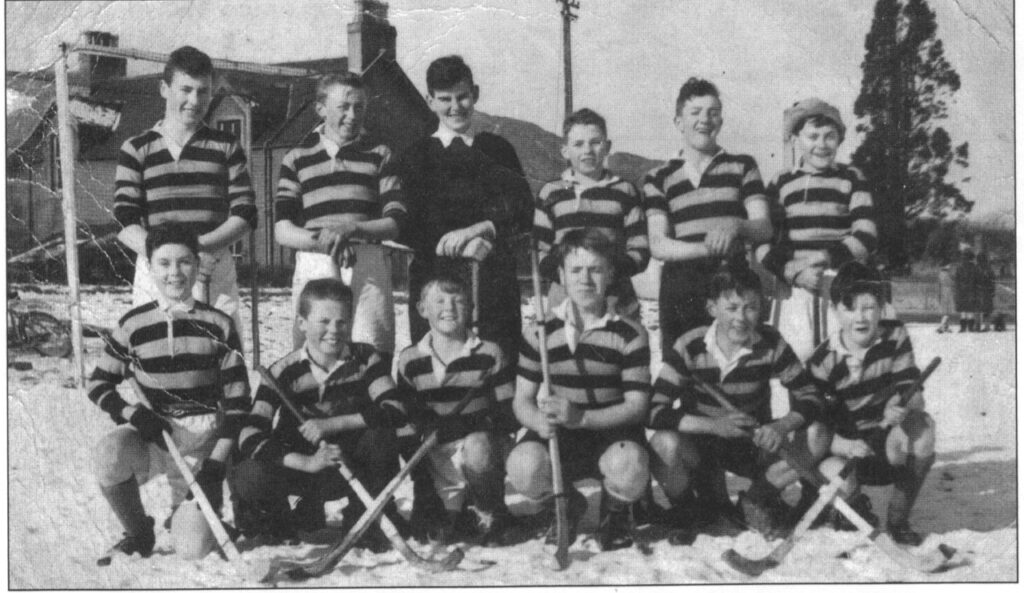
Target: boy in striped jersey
[184, 355]
[338, 196]
[597, 400]
[345, 391]
[468, 464]
[701, 207]
[182, 171]
[589, 195]
[895, 444]
[696, 441]
[823, 215]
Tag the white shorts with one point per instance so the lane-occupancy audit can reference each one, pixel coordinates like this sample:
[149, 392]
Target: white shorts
[373, 320]
[223, 288]
[195, 437]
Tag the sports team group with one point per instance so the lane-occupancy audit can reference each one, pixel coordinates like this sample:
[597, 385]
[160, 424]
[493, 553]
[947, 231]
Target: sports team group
[813, 317]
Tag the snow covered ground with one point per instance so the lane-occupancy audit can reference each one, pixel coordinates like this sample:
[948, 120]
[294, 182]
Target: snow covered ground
[59, 523]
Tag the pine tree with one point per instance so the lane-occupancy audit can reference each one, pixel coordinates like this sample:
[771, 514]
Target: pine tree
[905, 154]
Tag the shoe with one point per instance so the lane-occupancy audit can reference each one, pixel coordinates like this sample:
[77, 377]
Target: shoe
[902, 534]
[267, 521]
[308, 514]
[496, 528]
[577, 507]
[765, 514]
[139, 543]
[858, 502]
[614, 532]
[427, 520]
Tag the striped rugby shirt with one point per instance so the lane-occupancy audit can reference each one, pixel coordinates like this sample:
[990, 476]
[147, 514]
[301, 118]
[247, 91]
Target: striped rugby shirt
[594, 368]
[317, 188]
[424, 379]
[359, 384]
[746, 385]
[611, 204]
[206, 184]
[855, 383]
[186, 358]
[823, 217]
[729, 183]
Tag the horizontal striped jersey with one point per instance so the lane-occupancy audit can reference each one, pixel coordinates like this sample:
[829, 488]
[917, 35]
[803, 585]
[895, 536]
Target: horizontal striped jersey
[206, 184]
[856, 384]
[612, 205]
[316, 189]
[746, 386]
[823, 216]
[728, 184]
[609, 360]
[186, 360]
[360, 384]
[481, 368]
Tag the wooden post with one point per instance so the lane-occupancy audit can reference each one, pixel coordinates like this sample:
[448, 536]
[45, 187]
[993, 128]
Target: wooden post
[66, 133]
[567, 18]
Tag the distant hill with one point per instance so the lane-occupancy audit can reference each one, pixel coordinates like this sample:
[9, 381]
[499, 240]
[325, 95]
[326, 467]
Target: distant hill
[539, 151]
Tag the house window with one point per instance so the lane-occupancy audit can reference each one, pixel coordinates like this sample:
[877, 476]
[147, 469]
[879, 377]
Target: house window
[55, 180]
[231, 126]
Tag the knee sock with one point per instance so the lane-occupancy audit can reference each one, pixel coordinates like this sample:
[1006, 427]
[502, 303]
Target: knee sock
[486, 490]
[126, 503]
[906, 487]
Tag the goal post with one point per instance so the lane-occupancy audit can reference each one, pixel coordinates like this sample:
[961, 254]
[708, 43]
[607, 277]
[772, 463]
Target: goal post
[67, 130]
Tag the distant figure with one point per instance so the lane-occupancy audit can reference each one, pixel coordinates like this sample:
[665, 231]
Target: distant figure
[985, 292]
[947, 301]
[965, 281]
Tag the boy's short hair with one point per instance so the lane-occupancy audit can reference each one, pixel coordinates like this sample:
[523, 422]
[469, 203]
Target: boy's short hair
[738, 279]
[187, 60]
[813, 110]
[854, 279]
[445, 282]
[174, 233]
[446, 72]
[695, 87]
[584, 117]
[590, 239]
[349, 79]
[324, 289]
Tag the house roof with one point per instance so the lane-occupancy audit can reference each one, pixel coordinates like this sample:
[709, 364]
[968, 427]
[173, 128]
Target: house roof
[30, 96]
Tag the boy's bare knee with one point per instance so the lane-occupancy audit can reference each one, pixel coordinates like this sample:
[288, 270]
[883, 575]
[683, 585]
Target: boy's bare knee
[673, 449]
[831, 467]
[481, 452]
[119, 455]
[920, 429]
[624, 467]
[529, 470]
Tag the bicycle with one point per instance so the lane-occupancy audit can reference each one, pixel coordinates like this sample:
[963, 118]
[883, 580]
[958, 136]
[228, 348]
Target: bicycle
[37, 330]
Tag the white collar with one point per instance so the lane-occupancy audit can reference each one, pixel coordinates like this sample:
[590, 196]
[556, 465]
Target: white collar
[186, 305]
[725, 363]
[690, 165]
[572, 332]
[446, 135]
[320, 374]
[582, 181]
[438, 366]
[836, 339]
[331, 146]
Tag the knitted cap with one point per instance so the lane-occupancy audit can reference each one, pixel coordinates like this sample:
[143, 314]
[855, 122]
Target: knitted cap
[807, 108]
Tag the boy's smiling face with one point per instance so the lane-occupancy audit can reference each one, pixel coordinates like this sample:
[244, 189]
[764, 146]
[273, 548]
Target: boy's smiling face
[859, 321]
[446, 312]
[343, 110]
[818, 145]
[737, 315]
[187, 98]
[454, 107]
[586, 276]
[174, 268]
[586, 149]
[327, 327]
[699, 121]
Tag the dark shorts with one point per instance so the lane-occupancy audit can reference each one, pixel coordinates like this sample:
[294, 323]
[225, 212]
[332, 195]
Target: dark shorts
[581, 450]
[739, 456]
[875, 470]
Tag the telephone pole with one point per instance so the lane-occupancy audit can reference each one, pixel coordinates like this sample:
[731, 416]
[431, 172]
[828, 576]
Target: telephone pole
[567, 18]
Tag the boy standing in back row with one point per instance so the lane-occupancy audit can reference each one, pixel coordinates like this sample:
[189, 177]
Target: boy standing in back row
[337, 187]
[182, 171]
[702, 206]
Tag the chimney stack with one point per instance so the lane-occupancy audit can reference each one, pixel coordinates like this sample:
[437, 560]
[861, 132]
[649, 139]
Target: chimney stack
[93, 69]
[370, 36]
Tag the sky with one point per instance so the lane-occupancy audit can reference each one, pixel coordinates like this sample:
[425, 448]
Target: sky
[629, 59]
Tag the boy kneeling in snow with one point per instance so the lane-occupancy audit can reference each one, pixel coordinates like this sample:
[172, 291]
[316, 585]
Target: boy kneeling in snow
[346, 391]
[895, 444]
[185, 357]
